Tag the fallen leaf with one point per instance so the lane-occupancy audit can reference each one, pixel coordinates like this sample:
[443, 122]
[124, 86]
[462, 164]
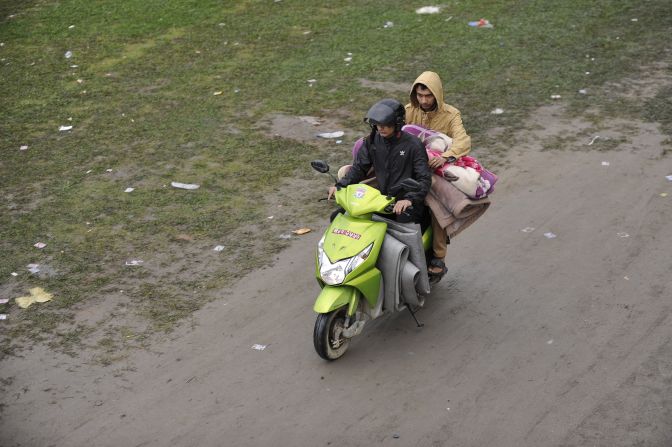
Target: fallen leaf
[37, 295]
[301, 231]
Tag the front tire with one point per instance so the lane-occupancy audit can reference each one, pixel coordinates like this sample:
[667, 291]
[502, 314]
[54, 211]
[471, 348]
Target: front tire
[328, 338]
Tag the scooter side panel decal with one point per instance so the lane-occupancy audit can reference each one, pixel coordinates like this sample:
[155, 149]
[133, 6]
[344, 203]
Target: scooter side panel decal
[333, 297]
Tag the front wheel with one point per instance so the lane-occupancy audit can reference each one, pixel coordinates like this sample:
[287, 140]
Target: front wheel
[328, 338]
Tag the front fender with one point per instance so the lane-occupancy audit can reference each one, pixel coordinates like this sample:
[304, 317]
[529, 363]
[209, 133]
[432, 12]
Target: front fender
[333, 297]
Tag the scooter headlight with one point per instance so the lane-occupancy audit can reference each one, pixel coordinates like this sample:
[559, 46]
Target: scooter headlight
[335, 273]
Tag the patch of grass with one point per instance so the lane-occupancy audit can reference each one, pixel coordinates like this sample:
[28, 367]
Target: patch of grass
[139, 93]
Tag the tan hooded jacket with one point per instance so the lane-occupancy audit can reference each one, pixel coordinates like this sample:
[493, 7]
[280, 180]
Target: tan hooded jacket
[444, 118]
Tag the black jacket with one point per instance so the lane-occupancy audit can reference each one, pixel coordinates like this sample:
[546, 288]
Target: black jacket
[393, 159]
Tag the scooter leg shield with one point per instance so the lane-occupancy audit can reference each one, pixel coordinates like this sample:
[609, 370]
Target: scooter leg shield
[331, 298]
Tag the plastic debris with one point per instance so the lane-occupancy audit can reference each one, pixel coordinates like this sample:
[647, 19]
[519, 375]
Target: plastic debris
[4, 300]
[549, 342]
[669, 178]
[550, 235]
[23, 148]
[482, 23]
[605, 163]
[301, 231]
[129, 189]
[184, 185]
[556, 96]
[270, 217]
[13, 274]
[336, 134]
[311, 82]
[428, 10]
[626, 278]
[527, 230]
[3, 316]
[258, 347]
[217, 93]
[388, 24]
[593, 140]
[497, 111]
[64, 128]
[134, 262]
[633, 20]
[39, 245]
[339, 141]
[583, 91]
[305, 33]
[236, 90]
[71, 26]
[285, 236]
[587, 72]
[310, 120]
[37, 295]
[348, 59]
[68, 54]
[33, 268]
[395, 435]
[219, 248]
[622, 234]
[663, 194]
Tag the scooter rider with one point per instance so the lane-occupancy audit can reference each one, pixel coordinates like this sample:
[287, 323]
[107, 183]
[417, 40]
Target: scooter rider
[395, 156]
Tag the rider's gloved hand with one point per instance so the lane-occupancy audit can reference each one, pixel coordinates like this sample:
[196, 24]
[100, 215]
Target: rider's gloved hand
[401, 206]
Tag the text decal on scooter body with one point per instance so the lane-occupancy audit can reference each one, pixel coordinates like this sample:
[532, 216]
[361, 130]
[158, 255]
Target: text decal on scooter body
[346, 233]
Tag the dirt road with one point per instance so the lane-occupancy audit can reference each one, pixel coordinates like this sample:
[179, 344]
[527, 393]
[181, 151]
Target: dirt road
[529, 341]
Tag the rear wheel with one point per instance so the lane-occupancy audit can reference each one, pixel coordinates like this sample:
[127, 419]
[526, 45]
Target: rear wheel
[328, 338]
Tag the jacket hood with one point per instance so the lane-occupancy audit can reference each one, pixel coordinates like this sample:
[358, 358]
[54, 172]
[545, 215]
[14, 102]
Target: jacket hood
[433, 83]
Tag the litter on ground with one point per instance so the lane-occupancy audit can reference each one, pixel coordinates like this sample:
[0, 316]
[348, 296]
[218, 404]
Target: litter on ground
[497, 111]
[68, 54]
[482, 23]
[428, 10]
[13, 274]
[37, 295]
[583, 91]
[669, 178]
[663, 194]
[33, 268]
[184, 185]
[23, 148]
[39, 245]
[605, 163]
[593, 140]
[550, 235]
[336, 134]
[217, 93]
[258, 347]
[3, 316]
[129, 189]
[388, 24]
[4, 300]
[301, 231]
[133, 262]
[622, 234]
[556, 96]
[219, 248]
[64, 128]
[527, 230]
[285, 236]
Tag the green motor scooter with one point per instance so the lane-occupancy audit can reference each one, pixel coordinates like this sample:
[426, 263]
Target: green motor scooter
[367, 265]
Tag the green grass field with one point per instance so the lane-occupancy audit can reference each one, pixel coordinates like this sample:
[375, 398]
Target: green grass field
[139, 90]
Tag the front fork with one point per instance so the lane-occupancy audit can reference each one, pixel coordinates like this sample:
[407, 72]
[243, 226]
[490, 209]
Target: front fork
[335, 297]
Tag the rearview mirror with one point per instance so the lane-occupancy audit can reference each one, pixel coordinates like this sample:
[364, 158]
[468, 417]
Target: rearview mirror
[320, 166]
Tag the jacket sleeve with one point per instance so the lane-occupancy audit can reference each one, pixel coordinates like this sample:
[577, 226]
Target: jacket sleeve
[461, 141]
[360, 167]
[421, 173]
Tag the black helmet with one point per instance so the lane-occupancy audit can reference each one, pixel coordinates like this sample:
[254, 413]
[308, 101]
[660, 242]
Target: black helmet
[388, 112]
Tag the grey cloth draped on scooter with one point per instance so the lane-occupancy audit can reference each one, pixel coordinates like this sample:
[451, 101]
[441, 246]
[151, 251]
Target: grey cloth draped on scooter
[402, 263]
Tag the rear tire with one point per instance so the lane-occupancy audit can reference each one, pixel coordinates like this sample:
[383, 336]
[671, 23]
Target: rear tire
[327, 335]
